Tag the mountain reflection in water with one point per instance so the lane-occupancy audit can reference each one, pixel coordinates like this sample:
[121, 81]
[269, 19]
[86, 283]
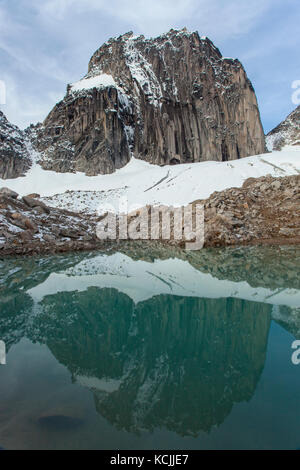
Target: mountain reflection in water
[161, 343]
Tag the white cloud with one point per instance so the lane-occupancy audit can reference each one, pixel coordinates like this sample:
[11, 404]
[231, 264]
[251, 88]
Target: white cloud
[219, 18]
[23, 106]
[46, 44]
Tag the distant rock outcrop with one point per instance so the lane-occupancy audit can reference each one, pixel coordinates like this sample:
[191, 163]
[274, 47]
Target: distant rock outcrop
[14, 156]
[168, 100]
[286, 133]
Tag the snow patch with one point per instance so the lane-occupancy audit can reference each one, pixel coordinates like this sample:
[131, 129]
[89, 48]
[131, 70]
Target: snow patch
[100, 81]
[142, 71]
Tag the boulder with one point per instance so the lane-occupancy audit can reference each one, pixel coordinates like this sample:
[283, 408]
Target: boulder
[34, 196]
[16, 216]
[30, 224]
[48, 238]
[9, 193]
[26, 236]
[32, 203]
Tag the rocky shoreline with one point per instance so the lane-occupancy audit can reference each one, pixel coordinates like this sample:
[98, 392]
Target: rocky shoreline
[264, 211]
[28, 226]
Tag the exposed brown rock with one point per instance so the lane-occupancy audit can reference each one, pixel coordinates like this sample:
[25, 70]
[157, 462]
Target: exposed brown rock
[30, 225]
[8, 192]
[175, 100]
[34, 196]
[272, 214]
[24, 230]
[34, 203]
[26, 236]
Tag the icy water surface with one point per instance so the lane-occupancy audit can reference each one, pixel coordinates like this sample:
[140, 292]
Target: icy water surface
[151, 349]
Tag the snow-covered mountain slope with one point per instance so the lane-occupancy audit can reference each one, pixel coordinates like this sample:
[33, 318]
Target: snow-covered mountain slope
[142, 280]
[286, 133]
[140, 183]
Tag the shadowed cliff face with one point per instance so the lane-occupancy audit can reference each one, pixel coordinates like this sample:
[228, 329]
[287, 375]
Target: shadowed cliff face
[14, 157]
[170, 99]
[85, 133]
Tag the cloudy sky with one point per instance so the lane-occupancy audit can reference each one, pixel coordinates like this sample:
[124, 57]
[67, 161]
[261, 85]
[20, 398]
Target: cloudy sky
[45, 44]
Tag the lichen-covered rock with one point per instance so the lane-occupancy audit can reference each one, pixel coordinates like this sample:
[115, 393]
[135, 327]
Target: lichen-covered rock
[168, 100]
[14, 156]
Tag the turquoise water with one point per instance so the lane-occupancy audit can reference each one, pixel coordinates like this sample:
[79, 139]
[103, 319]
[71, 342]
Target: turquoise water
[151, 350]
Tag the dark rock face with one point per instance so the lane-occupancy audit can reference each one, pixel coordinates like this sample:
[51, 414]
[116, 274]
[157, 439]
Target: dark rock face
[14, 157]
[168, 100]
[85, 133]
[286, 133]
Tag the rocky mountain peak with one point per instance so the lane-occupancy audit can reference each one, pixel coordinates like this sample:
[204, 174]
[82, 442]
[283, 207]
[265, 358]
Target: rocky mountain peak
[286, 133]
[151, 63]
[170, 99]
